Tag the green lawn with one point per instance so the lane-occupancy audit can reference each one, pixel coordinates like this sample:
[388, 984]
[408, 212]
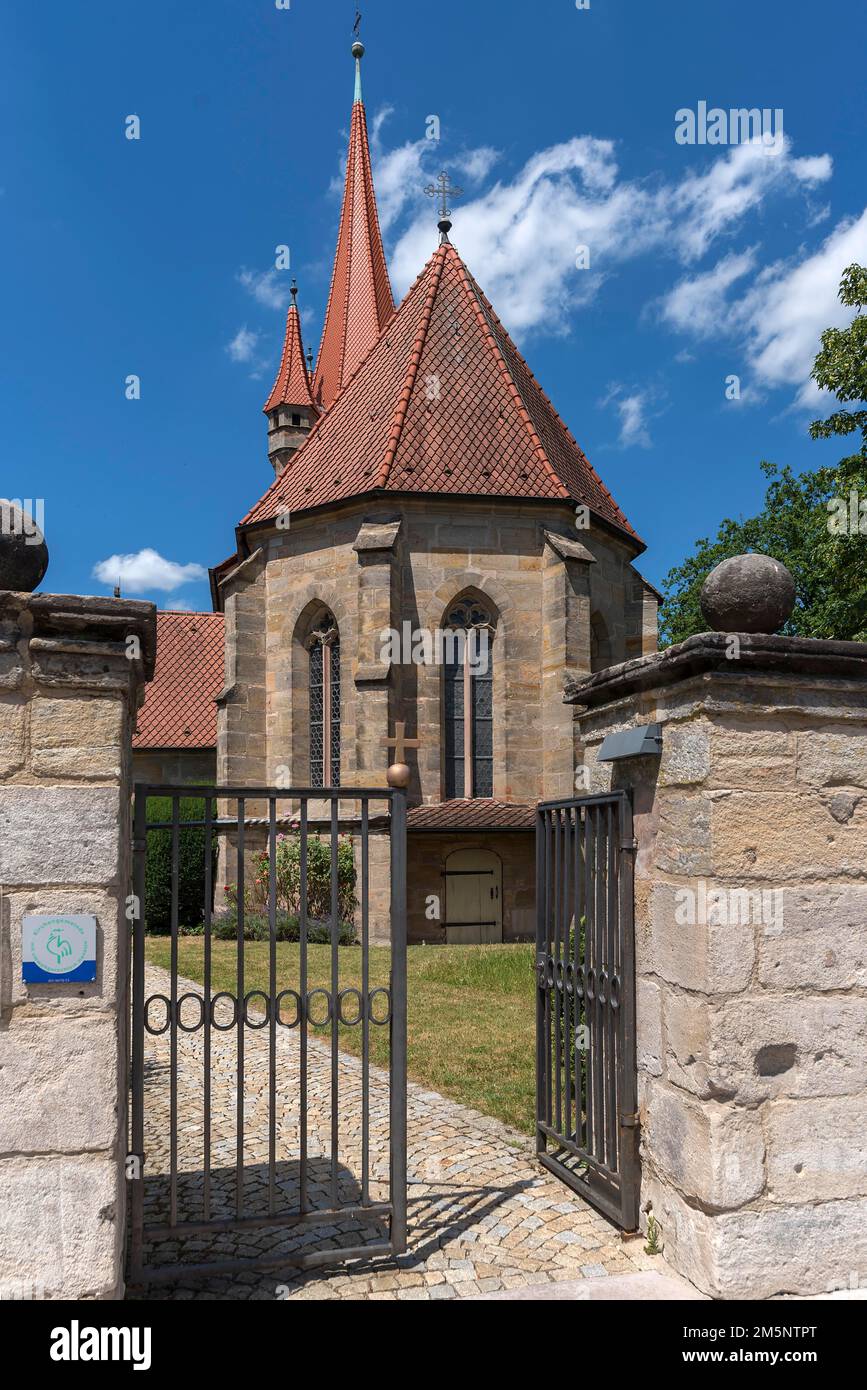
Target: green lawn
[471, 1014]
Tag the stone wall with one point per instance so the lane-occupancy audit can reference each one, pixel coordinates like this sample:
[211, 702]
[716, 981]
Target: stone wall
[751, 909]
[542, 580]
[70, 684]
[175, 767]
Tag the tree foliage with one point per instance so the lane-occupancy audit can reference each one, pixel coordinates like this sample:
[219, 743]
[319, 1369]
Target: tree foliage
[814, 522]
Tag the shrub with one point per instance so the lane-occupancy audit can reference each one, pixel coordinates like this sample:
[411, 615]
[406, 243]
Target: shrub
[288, 928]
[191, 865]
[288, 879]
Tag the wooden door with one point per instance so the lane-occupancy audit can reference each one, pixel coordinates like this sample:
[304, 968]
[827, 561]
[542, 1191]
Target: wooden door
[474, 906]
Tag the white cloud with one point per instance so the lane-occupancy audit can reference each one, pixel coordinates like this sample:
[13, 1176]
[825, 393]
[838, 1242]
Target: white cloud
[697, 304]
[477, 164]
[179, 605]
[243, 345]
[522, 235]
[634, 409]
[778, 321]
[146, 570]
[268, 287]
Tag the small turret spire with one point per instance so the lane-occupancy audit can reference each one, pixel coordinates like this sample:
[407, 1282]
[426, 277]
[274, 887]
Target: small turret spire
[360, 302]
[290, 408]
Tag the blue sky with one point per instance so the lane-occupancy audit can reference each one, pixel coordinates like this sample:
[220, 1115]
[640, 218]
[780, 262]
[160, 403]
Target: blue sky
[152, 257]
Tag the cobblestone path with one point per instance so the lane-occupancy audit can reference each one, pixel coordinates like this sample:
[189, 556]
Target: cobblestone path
[483, 1215]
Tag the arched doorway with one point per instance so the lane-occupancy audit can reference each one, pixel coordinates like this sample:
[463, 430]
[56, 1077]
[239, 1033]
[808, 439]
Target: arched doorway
[474, 897]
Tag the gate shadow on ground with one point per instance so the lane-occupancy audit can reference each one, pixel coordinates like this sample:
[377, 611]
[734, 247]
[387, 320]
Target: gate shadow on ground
[254, 1242]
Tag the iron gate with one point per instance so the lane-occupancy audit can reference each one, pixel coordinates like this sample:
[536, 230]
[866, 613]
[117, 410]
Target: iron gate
[254, 1153]
[586, 1120]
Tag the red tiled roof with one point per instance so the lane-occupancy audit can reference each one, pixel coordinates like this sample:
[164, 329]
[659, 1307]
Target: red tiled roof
[480, 813]
[443, 403]
[292, 386]
[360, 302]
[179, 709]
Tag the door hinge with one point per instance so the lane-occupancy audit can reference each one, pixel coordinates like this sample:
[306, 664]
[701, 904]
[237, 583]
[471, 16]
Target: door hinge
[629, 1121]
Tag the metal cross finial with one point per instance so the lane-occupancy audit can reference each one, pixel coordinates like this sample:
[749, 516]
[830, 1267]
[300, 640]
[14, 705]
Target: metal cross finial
[443, 190]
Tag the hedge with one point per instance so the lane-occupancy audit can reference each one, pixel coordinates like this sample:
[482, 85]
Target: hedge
[191, 866]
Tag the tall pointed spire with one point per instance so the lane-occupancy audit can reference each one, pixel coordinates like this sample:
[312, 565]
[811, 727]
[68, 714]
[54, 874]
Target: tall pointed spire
[360, 303]
[290, 407]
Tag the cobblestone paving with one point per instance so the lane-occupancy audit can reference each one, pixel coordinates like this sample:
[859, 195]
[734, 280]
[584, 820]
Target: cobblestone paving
[483, 1215]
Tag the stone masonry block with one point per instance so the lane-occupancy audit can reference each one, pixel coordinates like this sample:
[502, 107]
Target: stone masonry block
[756, 1254]
[712, 1153]
[776, 836]
[745, 758]
[817, 1149]
[61, 1227]
[58, 1085]
[685, 755]
[711, 957]
[76, 737]
[11, 736]
[788, 1045]
[822, 940]
[833, 760]
[59, 834]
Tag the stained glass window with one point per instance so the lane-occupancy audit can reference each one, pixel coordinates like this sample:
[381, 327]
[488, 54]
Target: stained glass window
[324, 689]
[469, 703]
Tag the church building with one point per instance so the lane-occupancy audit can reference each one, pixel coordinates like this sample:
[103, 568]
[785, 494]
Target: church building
[436, 551]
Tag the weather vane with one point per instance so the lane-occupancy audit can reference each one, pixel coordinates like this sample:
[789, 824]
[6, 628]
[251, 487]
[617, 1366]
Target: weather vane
[443, 190]
[357, 26]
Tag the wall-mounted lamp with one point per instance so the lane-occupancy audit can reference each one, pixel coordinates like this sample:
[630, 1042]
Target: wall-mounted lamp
[645, 741]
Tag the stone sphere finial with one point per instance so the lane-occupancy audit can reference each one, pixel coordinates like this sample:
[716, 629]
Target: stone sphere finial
[23, 552]
[358, 49]
[398, 775]
[748, 593]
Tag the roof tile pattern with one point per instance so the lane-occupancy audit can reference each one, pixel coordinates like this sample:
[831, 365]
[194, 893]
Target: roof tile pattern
[481, 813]
[443, 403]
[292, 386]
[179, 709]
[360, 302]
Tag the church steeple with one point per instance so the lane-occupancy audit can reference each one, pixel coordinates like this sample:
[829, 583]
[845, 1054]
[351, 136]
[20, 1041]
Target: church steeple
[290, 407]
[360, 303]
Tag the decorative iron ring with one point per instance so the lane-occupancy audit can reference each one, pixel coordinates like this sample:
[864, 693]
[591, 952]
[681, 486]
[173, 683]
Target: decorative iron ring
[257, 994]
[320, 1022]
[156, 1032]
[350, 1022]
[277, 1005]
[603, 981]
[541, 972]
[615, 991]
[591, 983]
[579, 982]
[380, 1022]
[224, 1027]
[186, 1028]
[559, 969]
[570, 977]
[550, 965]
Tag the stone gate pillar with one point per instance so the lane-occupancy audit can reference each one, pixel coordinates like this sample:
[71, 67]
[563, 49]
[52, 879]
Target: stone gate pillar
[751, 951]
[72, 674]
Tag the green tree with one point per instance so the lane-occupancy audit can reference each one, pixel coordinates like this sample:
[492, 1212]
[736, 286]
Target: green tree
[814, 522]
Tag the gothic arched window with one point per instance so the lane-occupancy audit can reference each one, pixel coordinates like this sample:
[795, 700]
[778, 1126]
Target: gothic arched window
[324, 647]
[468, 701]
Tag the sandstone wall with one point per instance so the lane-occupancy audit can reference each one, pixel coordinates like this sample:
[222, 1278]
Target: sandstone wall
[70, 685]
[752, 1045]
[542, 580]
